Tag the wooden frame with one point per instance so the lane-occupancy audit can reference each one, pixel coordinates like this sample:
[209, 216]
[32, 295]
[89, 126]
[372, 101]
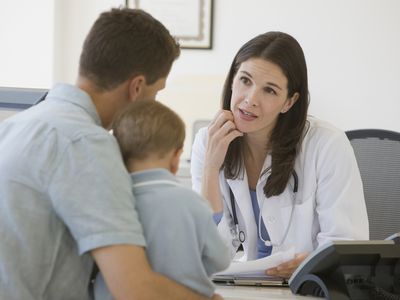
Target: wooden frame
[190, 21]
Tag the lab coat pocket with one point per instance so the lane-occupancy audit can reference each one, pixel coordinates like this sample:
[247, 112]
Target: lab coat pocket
[298, 219]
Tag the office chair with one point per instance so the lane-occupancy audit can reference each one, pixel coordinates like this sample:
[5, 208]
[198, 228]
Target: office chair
[12, 98]
[378, 156]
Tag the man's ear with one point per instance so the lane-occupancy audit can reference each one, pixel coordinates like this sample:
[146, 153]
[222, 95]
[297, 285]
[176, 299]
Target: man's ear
[290, 102]
[174, 165]
[135, 87]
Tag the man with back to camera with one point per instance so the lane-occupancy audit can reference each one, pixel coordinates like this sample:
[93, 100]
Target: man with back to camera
[65, 195]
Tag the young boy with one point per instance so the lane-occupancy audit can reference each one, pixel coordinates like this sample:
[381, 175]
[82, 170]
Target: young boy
[182, 240]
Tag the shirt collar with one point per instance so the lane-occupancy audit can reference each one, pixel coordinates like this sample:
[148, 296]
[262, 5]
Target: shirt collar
[152, 174]
[74, 95]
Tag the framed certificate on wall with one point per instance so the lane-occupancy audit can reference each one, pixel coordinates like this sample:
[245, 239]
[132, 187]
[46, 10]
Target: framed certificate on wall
[190, 21]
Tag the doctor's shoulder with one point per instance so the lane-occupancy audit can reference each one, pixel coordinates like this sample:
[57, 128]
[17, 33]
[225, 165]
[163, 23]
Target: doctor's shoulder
[198, 148]
[320, 135]
[201, 136]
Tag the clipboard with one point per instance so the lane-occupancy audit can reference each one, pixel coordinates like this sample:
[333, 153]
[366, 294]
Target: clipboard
[249, 280]
[252, 273]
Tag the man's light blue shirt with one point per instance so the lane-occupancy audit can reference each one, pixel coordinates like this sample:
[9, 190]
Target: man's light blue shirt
[63, 192]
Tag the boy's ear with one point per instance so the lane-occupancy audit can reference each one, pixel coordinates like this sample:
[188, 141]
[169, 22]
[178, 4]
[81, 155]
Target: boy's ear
[174, 164]
[136, 85]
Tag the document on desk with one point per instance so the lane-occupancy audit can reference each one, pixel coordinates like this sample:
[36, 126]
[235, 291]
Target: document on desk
[258, 266]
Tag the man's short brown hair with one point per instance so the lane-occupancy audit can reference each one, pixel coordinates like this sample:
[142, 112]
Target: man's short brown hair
[147, 128]
[126, 42]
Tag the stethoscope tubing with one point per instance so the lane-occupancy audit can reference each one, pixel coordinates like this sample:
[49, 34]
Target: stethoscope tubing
[240, 236]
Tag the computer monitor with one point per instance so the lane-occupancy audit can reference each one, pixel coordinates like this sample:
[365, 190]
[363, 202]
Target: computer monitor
[12, 98]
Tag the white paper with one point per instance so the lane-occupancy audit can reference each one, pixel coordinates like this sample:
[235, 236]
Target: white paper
[259, 266]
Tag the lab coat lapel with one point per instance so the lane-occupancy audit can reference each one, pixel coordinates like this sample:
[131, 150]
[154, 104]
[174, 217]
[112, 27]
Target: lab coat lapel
[271, 208]
[265, 171]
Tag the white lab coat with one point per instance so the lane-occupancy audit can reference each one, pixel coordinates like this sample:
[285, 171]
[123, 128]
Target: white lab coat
[329, 204]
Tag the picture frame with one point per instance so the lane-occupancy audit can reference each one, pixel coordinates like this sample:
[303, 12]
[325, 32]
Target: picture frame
[189, 21]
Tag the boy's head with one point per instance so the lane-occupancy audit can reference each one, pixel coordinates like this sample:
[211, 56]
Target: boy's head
[124, 43]
[149, 134]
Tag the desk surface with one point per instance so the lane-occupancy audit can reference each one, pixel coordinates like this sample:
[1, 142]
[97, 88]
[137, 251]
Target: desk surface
[255, 293]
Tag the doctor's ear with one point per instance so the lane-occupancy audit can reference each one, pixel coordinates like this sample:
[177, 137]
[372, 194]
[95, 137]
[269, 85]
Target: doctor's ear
[290, 102]
[135, 87]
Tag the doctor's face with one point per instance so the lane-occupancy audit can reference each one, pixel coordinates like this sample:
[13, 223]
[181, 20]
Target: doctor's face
[259, 95]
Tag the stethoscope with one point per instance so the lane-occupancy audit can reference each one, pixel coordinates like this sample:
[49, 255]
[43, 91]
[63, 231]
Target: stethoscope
[239, 236]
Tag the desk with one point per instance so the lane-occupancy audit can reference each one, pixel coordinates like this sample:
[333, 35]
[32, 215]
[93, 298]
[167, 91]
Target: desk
[255, 293]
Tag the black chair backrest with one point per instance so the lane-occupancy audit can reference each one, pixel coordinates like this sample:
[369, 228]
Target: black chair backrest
[378, 156]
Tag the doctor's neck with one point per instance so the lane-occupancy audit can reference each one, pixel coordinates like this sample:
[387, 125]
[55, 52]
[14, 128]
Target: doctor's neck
[256, 143]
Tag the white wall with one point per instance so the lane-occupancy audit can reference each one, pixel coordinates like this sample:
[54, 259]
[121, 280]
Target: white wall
[73, 19]
[351, 47]
[26, 43]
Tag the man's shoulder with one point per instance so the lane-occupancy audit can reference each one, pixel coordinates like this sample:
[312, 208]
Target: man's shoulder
[64, 120]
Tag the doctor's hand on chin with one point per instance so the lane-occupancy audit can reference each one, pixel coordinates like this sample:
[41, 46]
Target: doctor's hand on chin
[221, 132]
[286, 269]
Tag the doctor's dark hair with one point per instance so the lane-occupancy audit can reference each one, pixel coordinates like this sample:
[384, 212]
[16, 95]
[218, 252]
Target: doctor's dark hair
[123, 43]
[146, 128]
[284, 51]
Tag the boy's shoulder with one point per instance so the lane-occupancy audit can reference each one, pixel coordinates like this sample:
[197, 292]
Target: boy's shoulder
[178, 198]
[186, 197]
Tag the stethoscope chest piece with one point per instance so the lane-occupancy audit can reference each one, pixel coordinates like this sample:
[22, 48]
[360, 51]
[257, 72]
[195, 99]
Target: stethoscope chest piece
[239, 239]
[238, 236]
[242, 237]
[235, 243]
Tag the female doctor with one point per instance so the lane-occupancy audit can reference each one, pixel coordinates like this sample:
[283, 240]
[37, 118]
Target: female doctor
[276, 177]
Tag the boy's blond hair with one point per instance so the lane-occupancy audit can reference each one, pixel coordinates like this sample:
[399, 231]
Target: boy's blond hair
[147, 128]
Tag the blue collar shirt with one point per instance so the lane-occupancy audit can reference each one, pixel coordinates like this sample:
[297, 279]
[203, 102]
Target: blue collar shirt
[63, 192]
